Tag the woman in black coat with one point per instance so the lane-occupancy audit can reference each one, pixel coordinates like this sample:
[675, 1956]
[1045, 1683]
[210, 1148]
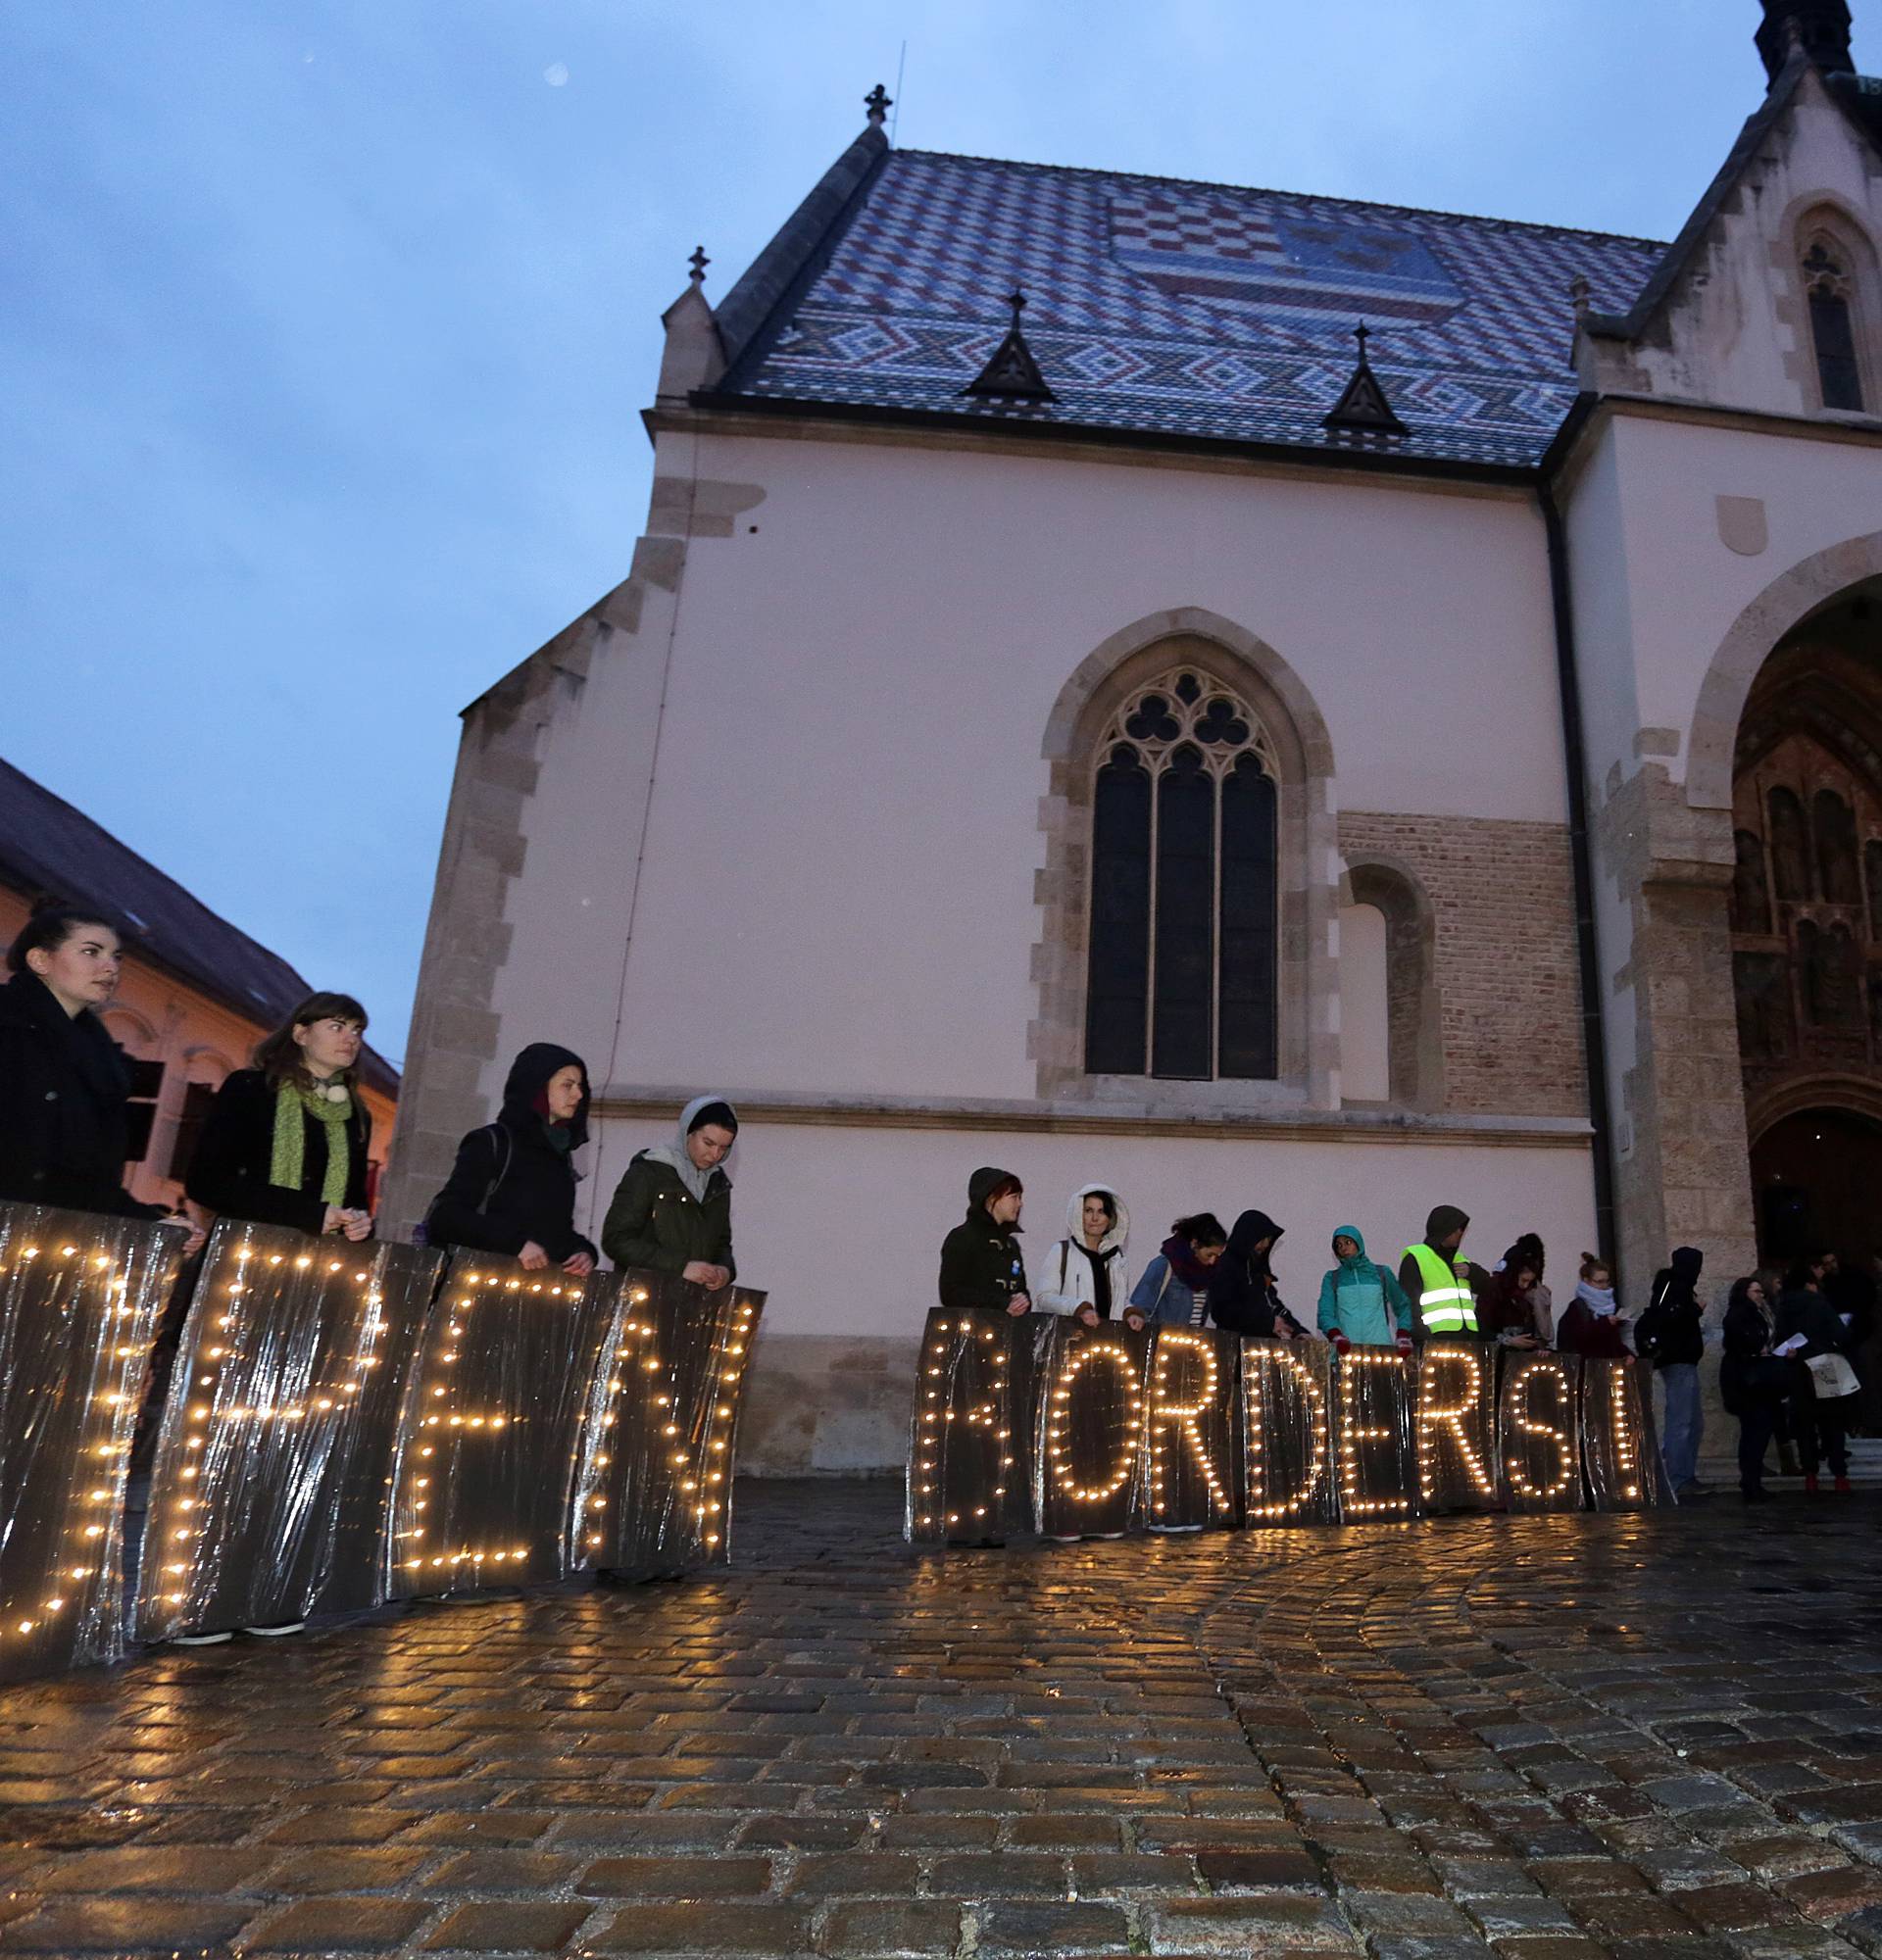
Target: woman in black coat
[1243, 1296]
[1753, 1383]
[513, 1188]
[1808, 1328]
[285, 1142]
[64, 1083]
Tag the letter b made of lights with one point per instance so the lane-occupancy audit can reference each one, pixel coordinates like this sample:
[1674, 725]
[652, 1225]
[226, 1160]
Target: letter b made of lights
[1040, 1424]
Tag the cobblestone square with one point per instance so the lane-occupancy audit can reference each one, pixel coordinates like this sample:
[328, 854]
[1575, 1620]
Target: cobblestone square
[1646, 1736]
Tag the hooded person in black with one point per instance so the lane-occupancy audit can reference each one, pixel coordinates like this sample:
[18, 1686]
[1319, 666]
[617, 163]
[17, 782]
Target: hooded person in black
[1443, 1239]
[513, 1187]
[982, 1269]
[1671, 1334]
[1243, 1298]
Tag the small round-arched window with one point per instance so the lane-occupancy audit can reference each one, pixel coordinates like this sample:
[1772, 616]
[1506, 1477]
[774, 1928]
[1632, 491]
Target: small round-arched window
[1181, 979]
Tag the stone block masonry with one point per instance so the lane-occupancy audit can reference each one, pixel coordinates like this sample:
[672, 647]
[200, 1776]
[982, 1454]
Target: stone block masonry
[1509, 1002]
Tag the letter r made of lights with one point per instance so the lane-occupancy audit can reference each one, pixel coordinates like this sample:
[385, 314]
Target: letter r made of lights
[1455, 1448]
[1190, 1471]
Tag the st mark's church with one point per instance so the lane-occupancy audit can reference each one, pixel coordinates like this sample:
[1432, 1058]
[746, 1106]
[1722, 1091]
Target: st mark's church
[1083, 705]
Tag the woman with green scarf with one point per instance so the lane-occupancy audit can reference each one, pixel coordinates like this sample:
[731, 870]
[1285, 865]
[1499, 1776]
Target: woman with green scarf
[285, 1142]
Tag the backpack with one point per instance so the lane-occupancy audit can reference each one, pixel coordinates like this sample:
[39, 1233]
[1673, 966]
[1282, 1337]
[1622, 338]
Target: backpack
[503, 1148]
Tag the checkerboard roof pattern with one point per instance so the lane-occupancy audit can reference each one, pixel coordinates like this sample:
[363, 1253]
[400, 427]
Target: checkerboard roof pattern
[1192, 310]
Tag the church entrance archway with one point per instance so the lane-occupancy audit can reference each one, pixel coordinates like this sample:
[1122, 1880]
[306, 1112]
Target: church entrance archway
[1807, 932]
[1816, 1178]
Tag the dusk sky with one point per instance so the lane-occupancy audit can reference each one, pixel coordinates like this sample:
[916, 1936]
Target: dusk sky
[326, 329]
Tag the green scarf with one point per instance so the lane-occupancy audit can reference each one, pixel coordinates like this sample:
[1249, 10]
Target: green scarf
[284, 1168]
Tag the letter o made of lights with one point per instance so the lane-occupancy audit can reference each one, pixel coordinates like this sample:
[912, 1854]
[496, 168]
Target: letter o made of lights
[1057, 1448]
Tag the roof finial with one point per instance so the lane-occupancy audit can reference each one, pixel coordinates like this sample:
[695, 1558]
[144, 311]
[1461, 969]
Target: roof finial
[699, 261]
[1363, 409]
[1582, 294]
[1011, 374]
[879, 103]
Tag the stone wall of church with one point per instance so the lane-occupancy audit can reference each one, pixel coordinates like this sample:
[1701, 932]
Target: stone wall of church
[1509, 999]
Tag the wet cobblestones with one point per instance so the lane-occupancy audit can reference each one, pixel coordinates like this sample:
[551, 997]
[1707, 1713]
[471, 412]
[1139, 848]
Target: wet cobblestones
[1543, 1739]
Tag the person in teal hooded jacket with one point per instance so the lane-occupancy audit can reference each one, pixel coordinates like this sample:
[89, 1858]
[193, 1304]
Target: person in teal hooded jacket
[1363, 1304]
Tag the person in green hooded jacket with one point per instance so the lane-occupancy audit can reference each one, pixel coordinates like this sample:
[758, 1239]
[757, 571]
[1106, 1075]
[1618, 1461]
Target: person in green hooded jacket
[673, 1209]
[1361, 1303]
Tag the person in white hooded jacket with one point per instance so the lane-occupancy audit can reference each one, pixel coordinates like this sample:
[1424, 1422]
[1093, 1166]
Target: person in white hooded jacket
[1086, 1273]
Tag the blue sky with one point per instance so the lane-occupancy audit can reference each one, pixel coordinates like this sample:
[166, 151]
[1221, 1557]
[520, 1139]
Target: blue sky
[326, 328]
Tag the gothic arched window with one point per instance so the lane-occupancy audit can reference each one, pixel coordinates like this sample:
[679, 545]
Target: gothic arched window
[1183, 876]
[1828, 287]
[1836, 861]
[1790, 847]
[1751, 891]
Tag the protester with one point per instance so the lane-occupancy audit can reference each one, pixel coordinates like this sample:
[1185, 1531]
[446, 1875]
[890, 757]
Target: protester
[1671, 1334]
[1752, 1382]
[285, 1141]
[1243, 1296]
[672, 1208]
[1174, 1289]
[1361, 1304]
[1440, 1281]
[1085, 1273]
[513, 1188]
[1592, 1326]
[1823, 1398]
[1853, 1294]
[1530, 1250]
[982, 1270]
[1507, 1307]
[64, 1083]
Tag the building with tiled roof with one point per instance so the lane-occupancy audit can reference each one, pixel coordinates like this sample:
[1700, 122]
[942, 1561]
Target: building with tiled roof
[1261, 699]
[196, 994]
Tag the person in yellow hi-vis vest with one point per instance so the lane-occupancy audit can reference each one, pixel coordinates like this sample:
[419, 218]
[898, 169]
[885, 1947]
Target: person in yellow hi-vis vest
[1440, 1280]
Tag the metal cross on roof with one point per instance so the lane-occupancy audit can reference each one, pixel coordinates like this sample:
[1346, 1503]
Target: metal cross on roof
[879, 103]
[699, 261]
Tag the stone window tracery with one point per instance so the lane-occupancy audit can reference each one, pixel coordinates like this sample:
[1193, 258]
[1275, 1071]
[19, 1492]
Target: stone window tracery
[1183, 940]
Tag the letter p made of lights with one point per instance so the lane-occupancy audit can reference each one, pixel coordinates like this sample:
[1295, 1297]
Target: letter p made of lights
[1038, 1424]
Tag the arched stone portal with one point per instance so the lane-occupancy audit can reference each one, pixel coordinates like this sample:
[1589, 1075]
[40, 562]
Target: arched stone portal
[1806, 930]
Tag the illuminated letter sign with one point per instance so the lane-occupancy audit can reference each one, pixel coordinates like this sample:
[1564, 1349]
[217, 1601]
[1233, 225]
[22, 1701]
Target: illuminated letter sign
[1373, 1392]
[1092, 1431]
[1190, 1475]
[80, 1296]
[499, 1427]
[1619, 1448]
[270, 1491]
[1457, 1427]
[966, 1478]
[1286, 1403]
[1536, 1432]
[657, 1494]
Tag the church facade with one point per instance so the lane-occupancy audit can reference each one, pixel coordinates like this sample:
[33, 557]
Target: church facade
[1083, 705]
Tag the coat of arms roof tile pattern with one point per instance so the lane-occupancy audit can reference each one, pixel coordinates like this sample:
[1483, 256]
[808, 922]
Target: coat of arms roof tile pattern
[1195, 309]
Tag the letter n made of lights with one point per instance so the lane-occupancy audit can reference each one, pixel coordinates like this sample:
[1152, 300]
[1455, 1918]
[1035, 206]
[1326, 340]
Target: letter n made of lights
[657, 1496]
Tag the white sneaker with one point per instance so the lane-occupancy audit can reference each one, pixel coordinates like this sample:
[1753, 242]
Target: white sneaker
[277, 1632]
[200, 1639]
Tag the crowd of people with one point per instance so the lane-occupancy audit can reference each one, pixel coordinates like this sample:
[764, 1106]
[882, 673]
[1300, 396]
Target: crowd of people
[286, 1142]
[1788, 1372]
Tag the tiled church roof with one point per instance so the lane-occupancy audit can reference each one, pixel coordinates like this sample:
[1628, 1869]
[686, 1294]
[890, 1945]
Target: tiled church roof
[1190, 309]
